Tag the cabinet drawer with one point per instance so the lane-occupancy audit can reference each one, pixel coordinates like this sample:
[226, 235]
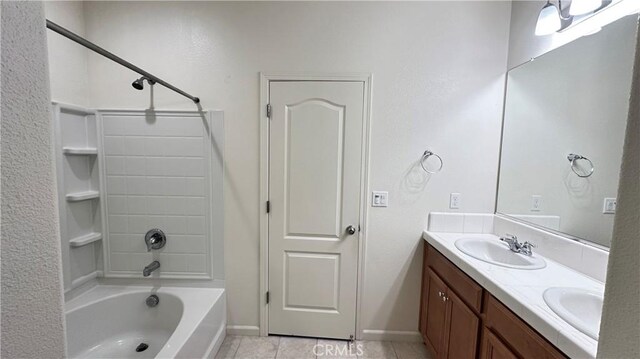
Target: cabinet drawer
[466, 288]
[516, 333]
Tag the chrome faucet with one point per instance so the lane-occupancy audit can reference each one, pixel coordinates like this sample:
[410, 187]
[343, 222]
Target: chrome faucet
[150, 268]
[512, 241]
[525, 248]
[517, 247]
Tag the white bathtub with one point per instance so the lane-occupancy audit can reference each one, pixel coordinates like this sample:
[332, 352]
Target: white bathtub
[112, 321]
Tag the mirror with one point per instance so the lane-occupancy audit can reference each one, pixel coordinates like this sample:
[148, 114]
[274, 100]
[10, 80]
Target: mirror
[564, 124]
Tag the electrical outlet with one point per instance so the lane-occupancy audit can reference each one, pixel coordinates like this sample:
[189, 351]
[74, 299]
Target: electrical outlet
[536, 203]
[454, 200]
[609, 206]
[379, 199]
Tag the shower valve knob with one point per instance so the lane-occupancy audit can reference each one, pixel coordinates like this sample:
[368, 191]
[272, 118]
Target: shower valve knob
[155, 239]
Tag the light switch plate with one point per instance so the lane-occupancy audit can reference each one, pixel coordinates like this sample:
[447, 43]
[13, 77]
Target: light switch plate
[536, 203]
[454, 200]
[609, 206]
[379, 199]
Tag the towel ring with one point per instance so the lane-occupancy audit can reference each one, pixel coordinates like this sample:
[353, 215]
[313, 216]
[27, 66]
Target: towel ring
[572, 157]
[424, 158]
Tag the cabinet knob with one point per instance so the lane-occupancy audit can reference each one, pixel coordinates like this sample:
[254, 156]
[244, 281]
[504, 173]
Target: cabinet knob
[440, 294]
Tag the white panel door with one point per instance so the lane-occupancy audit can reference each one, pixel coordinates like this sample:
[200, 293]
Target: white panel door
[315, 174]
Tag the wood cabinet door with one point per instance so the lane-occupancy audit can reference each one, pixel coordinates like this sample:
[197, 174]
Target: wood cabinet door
[493, 348]
[424, 294]
[461, 330]
[436, 313]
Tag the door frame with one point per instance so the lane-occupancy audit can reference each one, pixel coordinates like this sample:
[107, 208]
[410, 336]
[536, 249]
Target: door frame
[265, 79]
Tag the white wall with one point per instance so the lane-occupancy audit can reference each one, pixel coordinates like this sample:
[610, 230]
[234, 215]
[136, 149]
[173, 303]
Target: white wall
[620, 327]
[32, 314]
[437, 84]
[573, 99]
[70, 74]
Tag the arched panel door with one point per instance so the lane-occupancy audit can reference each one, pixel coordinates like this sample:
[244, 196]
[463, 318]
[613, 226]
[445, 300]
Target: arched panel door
[315, 165]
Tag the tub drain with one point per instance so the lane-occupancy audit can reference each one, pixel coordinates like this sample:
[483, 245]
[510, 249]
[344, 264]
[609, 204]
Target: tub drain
[142, 347]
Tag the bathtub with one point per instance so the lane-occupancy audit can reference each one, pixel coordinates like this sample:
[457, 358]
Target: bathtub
[114, 322]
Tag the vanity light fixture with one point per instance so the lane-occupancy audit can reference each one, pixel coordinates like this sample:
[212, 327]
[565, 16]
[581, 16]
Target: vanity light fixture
[551, 20]
[548, 20]
[581, 7]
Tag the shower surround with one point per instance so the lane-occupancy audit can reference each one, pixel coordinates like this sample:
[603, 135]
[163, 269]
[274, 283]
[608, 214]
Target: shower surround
[163, 170]
[122, 173]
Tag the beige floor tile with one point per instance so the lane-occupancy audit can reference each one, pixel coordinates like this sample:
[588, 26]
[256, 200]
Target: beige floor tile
[229, 347]
[376, 350]
[258, 348]
[336, 349]
[408, 350]
[296, 348]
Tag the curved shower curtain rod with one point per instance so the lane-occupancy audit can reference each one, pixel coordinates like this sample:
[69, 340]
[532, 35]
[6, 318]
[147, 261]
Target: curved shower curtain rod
[91, 46]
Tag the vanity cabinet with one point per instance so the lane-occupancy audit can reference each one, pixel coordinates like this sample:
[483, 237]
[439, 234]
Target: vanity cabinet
[460, 319]
[451, 328]
[449, 325]
[523, 339]
[494, 348]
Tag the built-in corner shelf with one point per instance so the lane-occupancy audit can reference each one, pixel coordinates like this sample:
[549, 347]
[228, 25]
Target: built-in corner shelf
[84, 240]
[82, 196]
[80, 151]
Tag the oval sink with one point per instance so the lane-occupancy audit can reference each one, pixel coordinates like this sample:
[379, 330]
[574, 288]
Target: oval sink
[579, 307]
[498, 253]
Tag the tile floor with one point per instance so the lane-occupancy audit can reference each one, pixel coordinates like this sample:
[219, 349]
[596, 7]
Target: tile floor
[245, 347]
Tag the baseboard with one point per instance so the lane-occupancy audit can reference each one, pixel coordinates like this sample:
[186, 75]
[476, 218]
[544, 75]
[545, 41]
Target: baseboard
[367, 334]
[243, 330]
[391, 335]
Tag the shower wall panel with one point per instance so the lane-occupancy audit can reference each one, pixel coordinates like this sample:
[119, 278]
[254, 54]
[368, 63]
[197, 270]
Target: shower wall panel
[163, 170]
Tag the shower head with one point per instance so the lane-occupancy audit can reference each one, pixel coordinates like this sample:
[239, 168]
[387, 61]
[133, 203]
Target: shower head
[139, 83]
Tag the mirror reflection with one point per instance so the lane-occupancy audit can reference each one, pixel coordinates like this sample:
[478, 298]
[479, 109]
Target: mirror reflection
[564, 124]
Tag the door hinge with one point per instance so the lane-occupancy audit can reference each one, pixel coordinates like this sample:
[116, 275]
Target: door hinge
[268, 297]
[268, 206]
[269, 110]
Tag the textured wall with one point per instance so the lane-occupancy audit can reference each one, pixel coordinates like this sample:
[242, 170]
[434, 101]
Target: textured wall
[620, 327]
[32, 314]
[437, 84]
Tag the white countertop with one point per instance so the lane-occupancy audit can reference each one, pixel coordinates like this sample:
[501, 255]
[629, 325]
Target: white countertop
[521, 291]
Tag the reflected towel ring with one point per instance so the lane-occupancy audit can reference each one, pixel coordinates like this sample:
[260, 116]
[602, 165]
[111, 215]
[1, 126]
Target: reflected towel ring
[424, 158]
[572, 157]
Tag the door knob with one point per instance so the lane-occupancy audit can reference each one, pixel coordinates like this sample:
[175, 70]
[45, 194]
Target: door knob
[351, 230]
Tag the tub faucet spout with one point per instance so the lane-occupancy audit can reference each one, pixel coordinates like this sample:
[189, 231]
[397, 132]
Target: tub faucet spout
[150, 268]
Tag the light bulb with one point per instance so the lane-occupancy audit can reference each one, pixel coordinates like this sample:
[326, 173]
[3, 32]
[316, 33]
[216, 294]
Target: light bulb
[581, 7]
[548, 20]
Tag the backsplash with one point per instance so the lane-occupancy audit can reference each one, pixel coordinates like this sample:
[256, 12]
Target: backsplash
[460, 222]
[584, 258]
